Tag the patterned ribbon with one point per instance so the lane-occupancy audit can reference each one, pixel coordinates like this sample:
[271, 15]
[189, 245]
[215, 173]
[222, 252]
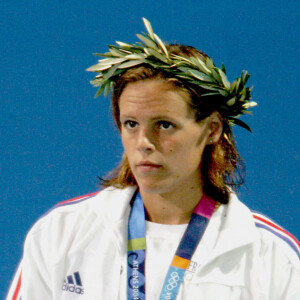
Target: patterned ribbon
[182, 257]
[136, 251]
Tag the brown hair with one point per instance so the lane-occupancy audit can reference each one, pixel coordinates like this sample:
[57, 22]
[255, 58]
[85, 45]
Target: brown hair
[221, 164]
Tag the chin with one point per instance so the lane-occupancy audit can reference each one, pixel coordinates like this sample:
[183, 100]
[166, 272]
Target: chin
[153, 187]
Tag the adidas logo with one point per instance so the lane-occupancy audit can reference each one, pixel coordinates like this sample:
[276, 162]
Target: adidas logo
[73, 284]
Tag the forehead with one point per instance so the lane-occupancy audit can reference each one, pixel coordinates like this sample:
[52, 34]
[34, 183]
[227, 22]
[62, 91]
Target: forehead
[154, 95]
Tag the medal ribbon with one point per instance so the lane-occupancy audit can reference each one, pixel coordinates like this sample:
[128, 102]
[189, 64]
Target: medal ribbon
[183, 254]
[136, 251]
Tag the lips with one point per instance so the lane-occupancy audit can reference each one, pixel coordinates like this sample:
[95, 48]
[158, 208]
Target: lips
[147, 166]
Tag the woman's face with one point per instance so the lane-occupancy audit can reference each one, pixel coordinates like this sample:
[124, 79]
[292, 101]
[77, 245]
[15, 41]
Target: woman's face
[161, 139]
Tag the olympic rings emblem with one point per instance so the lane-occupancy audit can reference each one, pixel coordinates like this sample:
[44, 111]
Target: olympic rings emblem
[173, 281]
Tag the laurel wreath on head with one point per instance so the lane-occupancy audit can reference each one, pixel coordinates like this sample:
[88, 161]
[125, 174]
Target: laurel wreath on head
[152, 51]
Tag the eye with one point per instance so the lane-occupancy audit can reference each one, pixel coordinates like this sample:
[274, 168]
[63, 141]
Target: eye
[130, 124]
[165, 125]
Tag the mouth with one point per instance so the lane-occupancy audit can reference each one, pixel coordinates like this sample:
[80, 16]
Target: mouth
[147, 166]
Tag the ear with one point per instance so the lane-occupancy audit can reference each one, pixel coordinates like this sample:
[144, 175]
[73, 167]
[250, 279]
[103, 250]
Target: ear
[215, 127]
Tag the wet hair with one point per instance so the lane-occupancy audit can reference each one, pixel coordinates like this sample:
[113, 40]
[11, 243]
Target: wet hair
[222, 168]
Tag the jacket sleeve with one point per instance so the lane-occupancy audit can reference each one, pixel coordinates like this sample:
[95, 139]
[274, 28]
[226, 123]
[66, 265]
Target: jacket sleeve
[284, 273]
[32, 280]
[292, 290]
[14, 292]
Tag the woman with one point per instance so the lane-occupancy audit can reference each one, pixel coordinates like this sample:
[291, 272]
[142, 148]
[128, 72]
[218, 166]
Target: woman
[168, 225]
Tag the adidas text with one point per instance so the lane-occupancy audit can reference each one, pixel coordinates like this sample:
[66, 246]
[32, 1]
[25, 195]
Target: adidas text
[72, 288]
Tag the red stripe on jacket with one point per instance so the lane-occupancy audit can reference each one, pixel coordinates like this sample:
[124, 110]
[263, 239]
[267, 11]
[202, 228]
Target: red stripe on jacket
[277, 227]
[76, 198]
[17, 290]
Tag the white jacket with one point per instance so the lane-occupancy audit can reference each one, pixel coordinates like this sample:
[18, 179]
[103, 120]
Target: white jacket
[79, 251]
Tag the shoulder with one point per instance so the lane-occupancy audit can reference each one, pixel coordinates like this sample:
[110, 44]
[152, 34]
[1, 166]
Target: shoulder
[277, 238]
[73, 232]
[271, 253]
[273, 239]
[67, 217]
[278, 253]
[253, 228]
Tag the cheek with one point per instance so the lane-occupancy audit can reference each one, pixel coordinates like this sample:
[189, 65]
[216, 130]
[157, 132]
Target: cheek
[125, 142]
[170, 146]
[181, 146]
[176, 152]
[184, 155]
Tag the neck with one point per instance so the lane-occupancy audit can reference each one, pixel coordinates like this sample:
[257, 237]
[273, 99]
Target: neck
[171, 208]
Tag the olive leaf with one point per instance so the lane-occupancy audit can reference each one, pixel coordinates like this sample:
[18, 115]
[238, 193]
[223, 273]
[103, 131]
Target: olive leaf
[149, 28]
[200, 75]
[224, 79]
[147, 41]
[157, 55]
[162, 45]
[239, 122]
[130, 64]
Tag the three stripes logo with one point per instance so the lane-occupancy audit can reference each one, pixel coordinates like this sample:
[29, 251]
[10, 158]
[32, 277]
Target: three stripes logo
[73, 284]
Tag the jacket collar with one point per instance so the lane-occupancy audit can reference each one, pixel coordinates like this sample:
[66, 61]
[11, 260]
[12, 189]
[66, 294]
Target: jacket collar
[231, 226]
[113, 203]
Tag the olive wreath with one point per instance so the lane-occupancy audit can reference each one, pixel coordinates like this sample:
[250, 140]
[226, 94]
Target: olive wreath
[151, 50]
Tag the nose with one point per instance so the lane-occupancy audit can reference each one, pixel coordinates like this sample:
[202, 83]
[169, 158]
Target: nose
[146, 141]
